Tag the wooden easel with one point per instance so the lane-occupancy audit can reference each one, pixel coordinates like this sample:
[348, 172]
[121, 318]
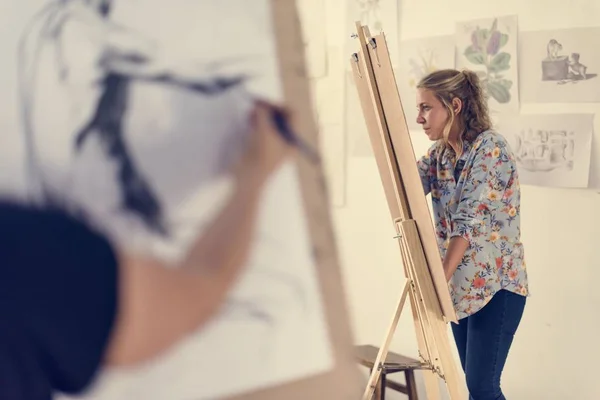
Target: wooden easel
[425, 284]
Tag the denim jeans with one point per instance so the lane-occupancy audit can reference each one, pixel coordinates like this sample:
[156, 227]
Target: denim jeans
[483, 341]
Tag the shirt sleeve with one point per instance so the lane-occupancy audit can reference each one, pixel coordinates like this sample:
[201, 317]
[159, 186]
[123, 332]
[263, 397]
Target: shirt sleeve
[486, 188]
[60, 278]
[424, 165]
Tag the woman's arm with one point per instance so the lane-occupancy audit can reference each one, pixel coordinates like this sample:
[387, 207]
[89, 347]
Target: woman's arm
[454, 255]
[159, 305]
[424, 165]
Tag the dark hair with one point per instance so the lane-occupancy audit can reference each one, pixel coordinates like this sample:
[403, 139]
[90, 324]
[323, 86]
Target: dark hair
[448, 84]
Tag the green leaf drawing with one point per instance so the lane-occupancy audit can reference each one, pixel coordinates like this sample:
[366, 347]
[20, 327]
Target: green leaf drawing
[474, 56]
[482, 75]
[499, 91]
[503, 39]
[500, 62]
[505, 82]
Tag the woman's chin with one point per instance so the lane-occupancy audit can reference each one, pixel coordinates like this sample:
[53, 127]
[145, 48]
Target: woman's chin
[431, 136]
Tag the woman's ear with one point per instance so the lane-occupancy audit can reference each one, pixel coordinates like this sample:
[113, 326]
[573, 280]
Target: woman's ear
[456, 105]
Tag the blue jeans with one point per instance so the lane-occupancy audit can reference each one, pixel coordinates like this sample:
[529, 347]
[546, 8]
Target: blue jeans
[483, 341]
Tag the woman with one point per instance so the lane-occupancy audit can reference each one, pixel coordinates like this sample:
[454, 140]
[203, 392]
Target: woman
[472, 176]
[72, 302]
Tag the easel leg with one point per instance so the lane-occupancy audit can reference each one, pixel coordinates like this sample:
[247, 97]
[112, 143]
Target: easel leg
[430, 311]
[451, 373]
[432, 387]
[375, 374]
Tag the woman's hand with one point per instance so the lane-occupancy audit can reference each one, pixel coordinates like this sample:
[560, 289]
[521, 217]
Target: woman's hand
[265, 150]
[454, 255]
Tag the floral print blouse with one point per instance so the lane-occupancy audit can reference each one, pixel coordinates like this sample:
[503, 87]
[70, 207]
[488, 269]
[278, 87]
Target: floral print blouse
[479, 201]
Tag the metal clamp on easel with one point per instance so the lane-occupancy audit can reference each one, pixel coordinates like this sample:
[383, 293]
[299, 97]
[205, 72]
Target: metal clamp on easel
[425, 285]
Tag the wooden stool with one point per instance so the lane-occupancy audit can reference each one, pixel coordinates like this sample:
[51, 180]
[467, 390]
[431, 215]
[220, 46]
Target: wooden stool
[367, 354]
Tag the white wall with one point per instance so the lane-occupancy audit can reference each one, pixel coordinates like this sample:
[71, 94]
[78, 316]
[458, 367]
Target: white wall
[555, 354]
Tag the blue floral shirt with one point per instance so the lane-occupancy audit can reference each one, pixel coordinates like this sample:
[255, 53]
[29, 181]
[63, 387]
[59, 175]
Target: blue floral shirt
[478, 200]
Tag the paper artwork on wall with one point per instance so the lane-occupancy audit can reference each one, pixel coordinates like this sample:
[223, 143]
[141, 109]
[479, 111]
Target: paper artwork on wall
[333, 142]
[379, 16]
[489, 47]
[313, 23]
[359, 144]
[560, 66]
[329, 92]
[417, 58]
[552, 150]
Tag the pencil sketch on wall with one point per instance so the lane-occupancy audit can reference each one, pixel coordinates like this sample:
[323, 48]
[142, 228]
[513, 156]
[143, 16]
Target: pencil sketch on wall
[551, 150]
[417, 58]
[560, 66]
[378, 15]
[489, 47]
[137, 136]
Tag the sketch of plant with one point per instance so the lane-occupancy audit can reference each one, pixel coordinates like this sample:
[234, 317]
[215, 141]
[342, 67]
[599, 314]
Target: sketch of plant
[424, 63]
[540, 150]
[370, 13]
[485, 51]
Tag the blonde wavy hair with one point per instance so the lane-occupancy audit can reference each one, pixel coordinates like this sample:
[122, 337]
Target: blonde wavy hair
[465, 85]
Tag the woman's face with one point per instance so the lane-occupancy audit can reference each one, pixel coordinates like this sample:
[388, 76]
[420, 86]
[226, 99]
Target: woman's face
[431, 114]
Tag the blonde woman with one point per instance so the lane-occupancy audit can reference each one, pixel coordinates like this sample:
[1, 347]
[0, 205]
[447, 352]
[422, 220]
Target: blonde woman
[471, 174]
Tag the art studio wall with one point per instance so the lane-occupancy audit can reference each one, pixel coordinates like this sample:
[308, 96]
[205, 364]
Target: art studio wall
[542, 96]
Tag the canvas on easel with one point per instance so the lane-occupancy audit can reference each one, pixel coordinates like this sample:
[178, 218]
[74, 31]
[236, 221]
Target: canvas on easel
[130, 114]
[425, 285]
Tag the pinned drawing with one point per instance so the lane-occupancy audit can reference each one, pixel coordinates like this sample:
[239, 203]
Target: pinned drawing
[370, 13]
[563, 68]
[551, 150]
[560, 66]
[417, 58]
[379, 16]
[489, 47]
[134, 129]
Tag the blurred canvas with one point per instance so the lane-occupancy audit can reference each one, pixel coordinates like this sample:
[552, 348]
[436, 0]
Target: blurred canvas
[129, 115]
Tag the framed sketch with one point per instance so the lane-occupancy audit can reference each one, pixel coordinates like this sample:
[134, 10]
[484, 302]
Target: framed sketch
[128, 114]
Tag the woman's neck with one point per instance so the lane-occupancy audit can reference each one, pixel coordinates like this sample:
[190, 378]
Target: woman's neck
[455, 141]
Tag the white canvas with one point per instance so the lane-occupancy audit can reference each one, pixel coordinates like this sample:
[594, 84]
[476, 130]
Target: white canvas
[560, 66]
[419, 57]
[552, 150]
[185, 112]
[489, 47]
